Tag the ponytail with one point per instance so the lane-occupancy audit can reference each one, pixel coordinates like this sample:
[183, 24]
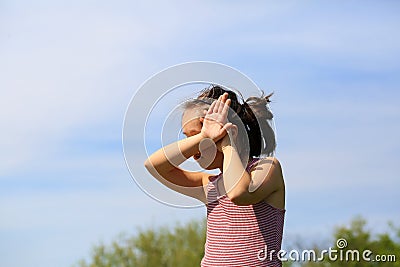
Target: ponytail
[256, 117]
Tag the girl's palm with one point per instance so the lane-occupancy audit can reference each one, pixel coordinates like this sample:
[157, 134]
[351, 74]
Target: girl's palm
[215, 123]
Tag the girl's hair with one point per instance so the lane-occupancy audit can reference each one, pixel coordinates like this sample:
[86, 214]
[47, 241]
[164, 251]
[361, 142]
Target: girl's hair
[253, 113]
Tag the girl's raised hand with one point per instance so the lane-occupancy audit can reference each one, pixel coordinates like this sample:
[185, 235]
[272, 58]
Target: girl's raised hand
[215, 122]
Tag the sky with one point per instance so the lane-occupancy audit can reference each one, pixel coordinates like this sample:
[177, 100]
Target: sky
[70, 68]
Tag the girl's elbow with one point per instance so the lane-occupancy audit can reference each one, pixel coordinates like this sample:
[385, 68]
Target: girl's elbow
[148, 165]
[156, 169]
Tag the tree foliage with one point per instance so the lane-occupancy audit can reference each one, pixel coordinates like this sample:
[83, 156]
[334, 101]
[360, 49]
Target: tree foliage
[184, 246]
[384, 247]
[164, 247]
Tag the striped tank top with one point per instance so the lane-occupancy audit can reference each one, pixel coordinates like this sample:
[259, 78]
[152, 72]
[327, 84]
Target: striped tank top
[241, 235]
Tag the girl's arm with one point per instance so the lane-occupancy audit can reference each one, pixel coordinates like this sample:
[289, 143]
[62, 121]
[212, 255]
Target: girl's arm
[165, 160]
[241, 187]
[245, 188]
[163, 165]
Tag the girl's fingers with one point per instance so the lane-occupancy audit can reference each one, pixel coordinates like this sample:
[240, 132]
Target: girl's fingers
[225, 101]
[226, 107]
[231, 130]
[224, 97]
[234, 130]
[220, 105]
[211, 108]
[217, 104]
[227, 126]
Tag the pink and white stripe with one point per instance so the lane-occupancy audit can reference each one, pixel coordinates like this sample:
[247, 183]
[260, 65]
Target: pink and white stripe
[238, 235]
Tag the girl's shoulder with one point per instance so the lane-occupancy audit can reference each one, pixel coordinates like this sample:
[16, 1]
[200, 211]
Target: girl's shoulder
[263, 160]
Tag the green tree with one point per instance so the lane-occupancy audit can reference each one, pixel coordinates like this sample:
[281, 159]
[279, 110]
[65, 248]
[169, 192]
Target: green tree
[164, 247]
[358, 238]
[184, 246]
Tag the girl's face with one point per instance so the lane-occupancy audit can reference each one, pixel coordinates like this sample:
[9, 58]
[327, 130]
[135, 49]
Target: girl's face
[210, 158]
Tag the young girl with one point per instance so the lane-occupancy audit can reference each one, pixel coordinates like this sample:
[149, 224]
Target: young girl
[246, 201]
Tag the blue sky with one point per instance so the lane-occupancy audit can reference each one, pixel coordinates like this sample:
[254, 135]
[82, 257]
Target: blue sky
[69, 69]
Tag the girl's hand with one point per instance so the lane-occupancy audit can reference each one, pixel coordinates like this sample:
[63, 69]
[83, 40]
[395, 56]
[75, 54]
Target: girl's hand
[229, 139]
[215, 122]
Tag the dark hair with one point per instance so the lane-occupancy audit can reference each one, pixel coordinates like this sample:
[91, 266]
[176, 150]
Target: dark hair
[253, 113]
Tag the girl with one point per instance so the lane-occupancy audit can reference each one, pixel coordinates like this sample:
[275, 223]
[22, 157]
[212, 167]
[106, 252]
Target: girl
[246, 201]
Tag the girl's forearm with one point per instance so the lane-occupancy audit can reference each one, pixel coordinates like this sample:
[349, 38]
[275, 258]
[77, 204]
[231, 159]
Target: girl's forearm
[236, 178]
[172, 155]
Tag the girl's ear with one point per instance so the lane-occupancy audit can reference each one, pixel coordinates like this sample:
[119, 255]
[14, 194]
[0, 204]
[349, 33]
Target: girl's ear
[201, 119]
